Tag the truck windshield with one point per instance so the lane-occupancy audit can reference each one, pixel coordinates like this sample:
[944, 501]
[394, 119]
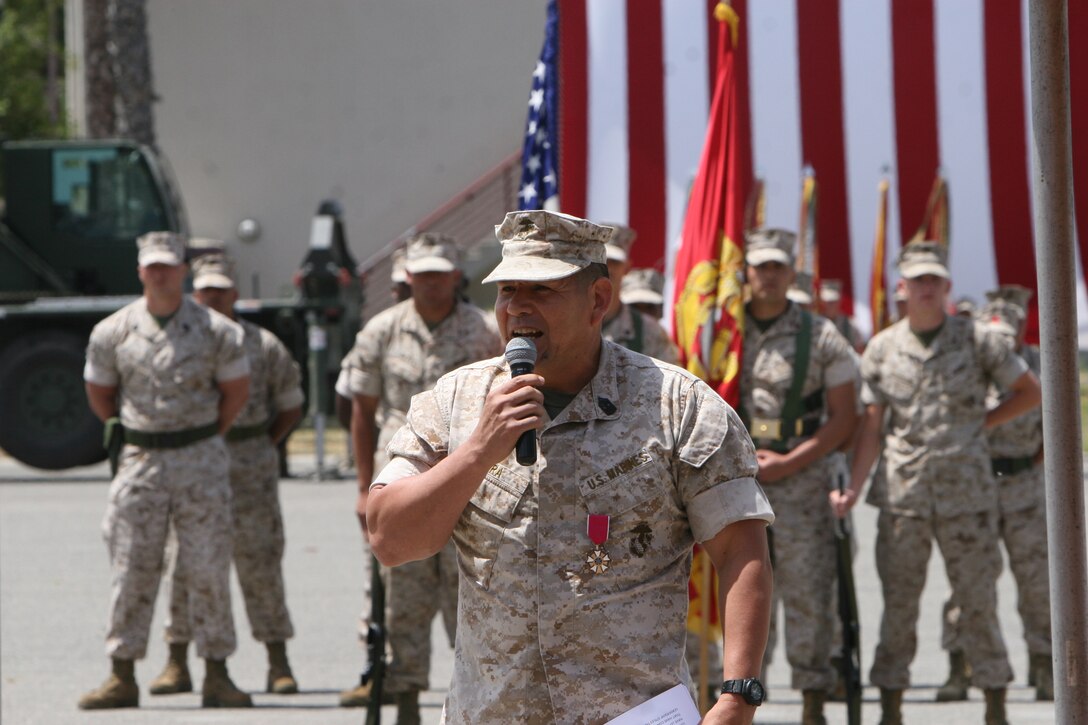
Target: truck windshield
[105, 193]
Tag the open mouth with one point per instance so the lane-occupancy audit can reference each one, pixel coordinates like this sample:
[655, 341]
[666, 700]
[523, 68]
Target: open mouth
[529, 332]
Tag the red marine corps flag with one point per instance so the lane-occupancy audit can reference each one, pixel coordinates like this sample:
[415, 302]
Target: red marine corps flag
[708, 304]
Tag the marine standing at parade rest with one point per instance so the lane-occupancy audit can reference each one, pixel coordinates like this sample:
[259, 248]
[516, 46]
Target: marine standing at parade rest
[623, 324]
[274, 407]
[399, 353]
[798, 399]
[574, 594]
[169, 376]
[925, 385]
[1016, 458]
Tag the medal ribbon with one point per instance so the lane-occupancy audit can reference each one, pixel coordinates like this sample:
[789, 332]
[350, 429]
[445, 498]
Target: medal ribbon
[597, 528]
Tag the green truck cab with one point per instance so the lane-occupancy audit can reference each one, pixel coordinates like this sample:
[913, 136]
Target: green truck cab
[70, 216]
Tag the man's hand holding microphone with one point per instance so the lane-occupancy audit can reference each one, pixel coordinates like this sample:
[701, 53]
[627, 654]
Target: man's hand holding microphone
[514, 410]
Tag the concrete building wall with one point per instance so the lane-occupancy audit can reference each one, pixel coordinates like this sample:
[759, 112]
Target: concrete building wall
[267, 107]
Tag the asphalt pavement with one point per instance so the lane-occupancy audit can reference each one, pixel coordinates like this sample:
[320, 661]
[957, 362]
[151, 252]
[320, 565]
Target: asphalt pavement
[54, 590]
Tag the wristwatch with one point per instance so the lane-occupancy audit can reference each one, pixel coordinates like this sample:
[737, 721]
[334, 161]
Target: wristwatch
[751, 689]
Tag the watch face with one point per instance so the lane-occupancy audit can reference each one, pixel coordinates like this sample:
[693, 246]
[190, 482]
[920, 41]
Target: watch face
[755, 689]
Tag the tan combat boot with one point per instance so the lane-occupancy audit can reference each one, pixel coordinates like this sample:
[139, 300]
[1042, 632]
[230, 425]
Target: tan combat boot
[1042, 669]
[175, 676]
[891, 703]
[955, 689]
[408, 707]
[995, 707]
[359, 696]
[812, 711]
[280, 679]
[218, 690]
[119, 689]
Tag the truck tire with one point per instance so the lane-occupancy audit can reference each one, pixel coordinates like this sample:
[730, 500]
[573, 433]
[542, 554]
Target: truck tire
[45, 420]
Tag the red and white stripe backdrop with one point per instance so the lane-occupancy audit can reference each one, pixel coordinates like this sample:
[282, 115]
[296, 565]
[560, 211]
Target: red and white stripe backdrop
[855, 88]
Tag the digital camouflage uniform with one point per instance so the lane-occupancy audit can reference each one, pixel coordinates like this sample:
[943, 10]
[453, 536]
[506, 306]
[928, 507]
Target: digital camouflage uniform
[1022, 523]
[643, 334]
[167, 380]
[936, 483]
[274, 386]
[804, 529]
[395, 357]
[548, 633]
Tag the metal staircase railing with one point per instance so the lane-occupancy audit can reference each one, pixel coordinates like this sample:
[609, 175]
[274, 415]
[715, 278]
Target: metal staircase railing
[470, 217]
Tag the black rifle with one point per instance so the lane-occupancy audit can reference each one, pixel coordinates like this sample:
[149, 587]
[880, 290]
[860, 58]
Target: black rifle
[850, 656]
[375, 645]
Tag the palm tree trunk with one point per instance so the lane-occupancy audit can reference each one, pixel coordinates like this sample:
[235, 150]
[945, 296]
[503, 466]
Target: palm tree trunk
[132, 69]
[101, 90]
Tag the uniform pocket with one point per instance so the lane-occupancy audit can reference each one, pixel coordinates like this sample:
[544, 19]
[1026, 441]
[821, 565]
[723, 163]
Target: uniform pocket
[483, 523]
[635, 495]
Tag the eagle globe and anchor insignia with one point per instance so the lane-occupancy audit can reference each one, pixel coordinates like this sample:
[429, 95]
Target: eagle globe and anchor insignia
[712, 285]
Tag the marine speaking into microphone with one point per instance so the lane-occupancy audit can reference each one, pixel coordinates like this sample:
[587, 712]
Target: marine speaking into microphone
[521, 354]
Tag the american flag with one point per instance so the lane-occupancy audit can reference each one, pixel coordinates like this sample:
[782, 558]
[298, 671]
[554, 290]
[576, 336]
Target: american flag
[539, 181]
[859, 90]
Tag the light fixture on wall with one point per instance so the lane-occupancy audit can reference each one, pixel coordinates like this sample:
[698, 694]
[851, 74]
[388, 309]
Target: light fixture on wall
[249, 230]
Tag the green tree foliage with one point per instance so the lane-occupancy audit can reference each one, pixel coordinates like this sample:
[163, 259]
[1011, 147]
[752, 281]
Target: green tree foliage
[30, 106]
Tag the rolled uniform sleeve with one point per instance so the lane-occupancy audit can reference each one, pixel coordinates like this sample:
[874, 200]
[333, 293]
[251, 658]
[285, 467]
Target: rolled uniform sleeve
[286, 380]
[364, 363]
[420, 443]
[839, 359]
[101, 365]
[716, 466]
[231, 361]
[871, 394]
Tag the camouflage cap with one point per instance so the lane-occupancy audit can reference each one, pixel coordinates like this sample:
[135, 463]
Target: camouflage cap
[921, 258]
[618, 248]
[430, 252]
[160, 248]
[801, 289]
[398, 273]
[642, 286]
[830, 290]
[213, 270]
[769, 245]
[541, 246]
[1013, 294]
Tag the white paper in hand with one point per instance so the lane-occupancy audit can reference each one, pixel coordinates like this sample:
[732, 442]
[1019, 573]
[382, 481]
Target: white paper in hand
[672, 707]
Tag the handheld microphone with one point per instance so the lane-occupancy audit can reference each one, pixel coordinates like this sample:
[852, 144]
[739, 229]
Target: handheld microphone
[521, 354]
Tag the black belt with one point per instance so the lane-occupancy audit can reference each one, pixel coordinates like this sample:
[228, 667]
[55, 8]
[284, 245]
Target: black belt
[1011, 466]
[170, 439]
[776, 431]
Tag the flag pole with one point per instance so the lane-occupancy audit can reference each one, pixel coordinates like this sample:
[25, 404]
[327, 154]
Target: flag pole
[1052, 184]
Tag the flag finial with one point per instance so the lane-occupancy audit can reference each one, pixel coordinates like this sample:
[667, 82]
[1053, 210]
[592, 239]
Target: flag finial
[725, 14]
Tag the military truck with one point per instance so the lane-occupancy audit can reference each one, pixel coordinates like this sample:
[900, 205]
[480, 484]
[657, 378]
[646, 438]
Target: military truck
[68, 224]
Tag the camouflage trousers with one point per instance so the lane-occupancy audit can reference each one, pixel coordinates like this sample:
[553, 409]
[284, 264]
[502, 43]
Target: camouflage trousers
[414, 593]
[258, 548]
[153, 488]
[804, 573]
[1022, 528]
[968, 544]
